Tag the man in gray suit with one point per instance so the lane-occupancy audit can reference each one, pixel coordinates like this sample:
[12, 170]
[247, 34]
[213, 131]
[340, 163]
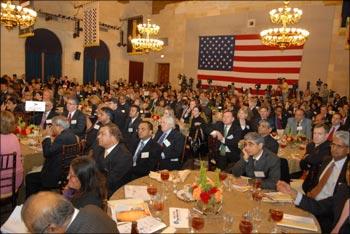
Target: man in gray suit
[49, 212]
[258, 162]
[299, 125]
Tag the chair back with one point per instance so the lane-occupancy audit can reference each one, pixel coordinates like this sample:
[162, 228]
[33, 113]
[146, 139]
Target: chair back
[285, 176]
[69, 153]
[183, 150]
[8, 164]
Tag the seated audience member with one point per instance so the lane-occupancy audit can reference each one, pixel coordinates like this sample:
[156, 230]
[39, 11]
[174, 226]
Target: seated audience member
[14, 105]
[172, 142]
[264, 129]
[104, 116]
[258, 162]
[264, 114]
[318, 120]
[299, 125]
[280, 118]
[229, 136]
[146, 155]
[113, 158]
[119, 116]
[51, 172]
[130, 128]
[44, 118]
[9, 143]
[316, 152]
[75, 117]
[242, 121]
[197, 133]
[335, 125]
[86, 185]
[334, 209]
[48, 212]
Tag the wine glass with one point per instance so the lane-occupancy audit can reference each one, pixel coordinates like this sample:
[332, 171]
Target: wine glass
[158, 204]
[175, 180]
[276, 216]
[152, 191]
[257, 196]
[245, 226]
[257, 218]
[196, 221]
[228, 222]
[164, 175]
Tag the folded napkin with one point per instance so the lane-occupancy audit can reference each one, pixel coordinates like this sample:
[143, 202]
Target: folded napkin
[243, 188]
[300, 222]
[277, 197]
[14, 223]
[182, 176]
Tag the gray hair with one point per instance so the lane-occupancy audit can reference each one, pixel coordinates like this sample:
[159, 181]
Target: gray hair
[255, 137]
[265, 122]
[58, 212]
[343, 136]
[170, 120]
[61, 121]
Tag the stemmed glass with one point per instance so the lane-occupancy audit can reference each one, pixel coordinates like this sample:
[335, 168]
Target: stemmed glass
[257, 218]
[257, 196]
[175, 180]
[164, 175]
[222, 177]
[246, 226]
[158, 204]
[152, 191]
[276, 216]
[196, 221]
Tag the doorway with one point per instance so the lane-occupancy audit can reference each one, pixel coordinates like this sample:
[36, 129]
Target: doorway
[135, 72]
[163, 73]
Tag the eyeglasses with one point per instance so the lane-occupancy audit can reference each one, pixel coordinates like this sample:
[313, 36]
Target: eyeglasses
[339, 146]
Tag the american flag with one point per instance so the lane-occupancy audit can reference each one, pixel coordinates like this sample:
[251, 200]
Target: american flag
[245, 61]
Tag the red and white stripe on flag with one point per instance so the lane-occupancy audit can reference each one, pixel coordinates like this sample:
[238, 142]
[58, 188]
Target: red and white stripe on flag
[255, 63]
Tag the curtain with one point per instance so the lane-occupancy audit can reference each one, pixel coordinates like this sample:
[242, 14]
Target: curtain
[102, 70]
[33, 65]
[89, 69]
[52, 65]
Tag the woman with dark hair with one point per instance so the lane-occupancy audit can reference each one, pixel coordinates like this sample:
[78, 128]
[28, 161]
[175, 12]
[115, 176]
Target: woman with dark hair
[86, 185]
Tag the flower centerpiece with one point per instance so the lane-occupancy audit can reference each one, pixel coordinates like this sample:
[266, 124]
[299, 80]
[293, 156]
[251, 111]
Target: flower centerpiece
[207, 193]
[23, 129]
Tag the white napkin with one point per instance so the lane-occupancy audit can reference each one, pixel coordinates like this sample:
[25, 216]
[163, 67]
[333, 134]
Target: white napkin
[182, 174]
[14, 224]
[136, 192]
[277, 197]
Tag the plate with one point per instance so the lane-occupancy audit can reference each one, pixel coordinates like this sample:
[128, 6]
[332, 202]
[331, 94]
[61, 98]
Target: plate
[185, 195]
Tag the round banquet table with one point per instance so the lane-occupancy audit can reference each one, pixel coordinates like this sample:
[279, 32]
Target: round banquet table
[293, 154]
[234, 203]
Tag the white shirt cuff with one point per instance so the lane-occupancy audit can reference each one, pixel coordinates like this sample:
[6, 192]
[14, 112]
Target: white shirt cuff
[162, 155]
[298, 199]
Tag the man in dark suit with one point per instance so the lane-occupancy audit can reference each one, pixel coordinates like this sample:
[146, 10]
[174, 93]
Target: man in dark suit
[130, 129]
[264, 114]
[75, 117]
[336, 125]
[264, 130]
[316, 152]
[146, 154]
[172, 143]
[119, 116]
[113, 158]
[51, 172]
[229, 136]
[280, 118]
[44, 118]
[258, 162]
[48, 212]
[299, 124]
[334, 209]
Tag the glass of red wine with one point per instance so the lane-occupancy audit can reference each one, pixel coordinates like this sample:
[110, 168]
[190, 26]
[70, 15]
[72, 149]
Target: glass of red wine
[276, 216]
[196, 222]
[158, 204]
[164, 175]
[152, 191]
[245, 226]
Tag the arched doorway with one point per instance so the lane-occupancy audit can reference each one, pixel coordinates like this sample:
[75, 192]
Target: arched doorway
[43, 56]
[96, 64]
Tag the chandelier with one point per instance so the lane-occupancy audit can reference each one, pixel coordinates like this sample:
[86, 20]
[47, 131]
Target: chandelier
[146, 43]
[284, 36]
[15, 15]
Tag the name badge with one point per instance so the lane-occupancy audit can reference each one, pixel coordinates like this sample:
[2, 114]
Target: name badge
[166, 143]
[74, 121]
[123, 111]
[259, 174]
[97, 127]
[145, 155]
[130, 129]
[230, 137]
[299, 128]
[49, 121]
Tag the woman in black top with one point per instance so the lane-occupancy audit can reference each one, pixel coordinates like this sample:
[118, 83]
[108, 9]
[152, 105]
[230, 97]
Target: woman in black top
[86, 185]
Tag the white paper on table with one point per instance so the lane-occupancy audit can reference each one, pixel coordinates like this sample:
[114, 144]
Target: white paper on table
[149, 224]
[278, 197]
[178, 217]
[300, 222]
[124, 227]
[136, 192]
[14, 224]
[242, 188]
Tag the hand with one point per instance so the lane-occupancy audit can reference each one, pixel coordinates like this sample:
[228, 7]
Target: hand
[245, 154]
[219, 136]
[3, 107]
[283, 187]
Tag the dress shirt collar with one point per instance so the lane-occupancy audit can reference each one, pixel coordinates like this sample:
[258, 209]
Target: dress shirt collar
[71, 113]
[145, 141]
[76, 211]
[339, 164]
[259, 155]
[107, 151]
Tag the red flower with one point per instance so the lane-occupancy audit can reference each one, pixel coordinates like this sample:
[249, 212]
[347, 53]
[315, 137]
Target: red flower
[24, 132]
[213, 190]
[205, 196]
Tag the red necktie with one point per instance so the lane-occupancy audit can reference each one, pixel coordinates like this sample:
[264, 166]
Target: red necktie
[318, 188]
[330, 135]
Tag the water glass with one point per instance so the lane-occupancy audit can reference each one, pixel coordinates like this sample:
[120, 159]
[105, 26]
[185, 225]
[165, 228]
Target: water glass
[228, 223]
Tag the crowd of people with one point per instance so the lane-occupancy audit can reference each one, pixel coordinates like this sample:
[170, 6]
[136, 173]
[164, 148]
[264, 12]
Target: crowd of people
[231, 130]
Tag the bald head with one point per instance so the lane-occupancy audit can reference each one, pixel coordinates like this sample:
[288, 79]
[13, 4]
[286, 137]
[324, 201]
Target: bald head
[47, 212]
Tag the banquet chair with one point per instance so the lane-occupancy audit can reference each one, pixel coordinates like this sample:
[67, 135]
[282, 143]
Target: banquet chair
[69, 153]
[8, 164]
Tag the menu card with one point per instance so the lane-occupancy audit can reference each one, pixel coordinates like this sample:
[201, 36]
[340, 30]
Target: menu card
[148, 224]
[178, 217]
[136, 192]
[300, 222]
